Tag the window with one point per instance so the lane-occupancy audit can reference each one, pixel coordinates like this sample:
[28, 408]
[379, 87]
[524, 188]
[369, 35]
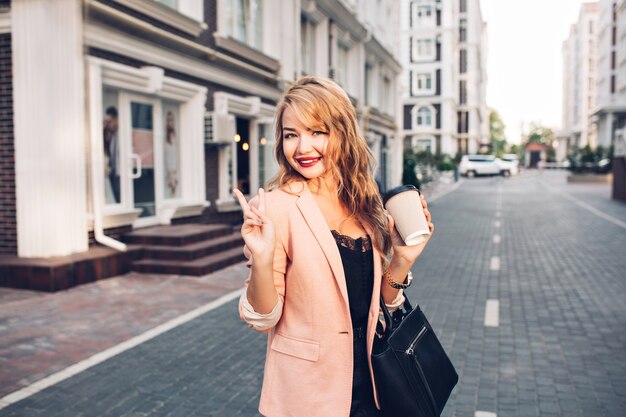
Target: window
[307, 44]
[171, 150]
[245, 21]
[111, 147]
[424, 117]
[463, 92]
[613, 60]
[422, 14]
[612, 84]
[613, 35]
[463, 61]
[424, 145]
[462, 30]
[462, 122]
[422, 83]
[422, 49]
[463, 6]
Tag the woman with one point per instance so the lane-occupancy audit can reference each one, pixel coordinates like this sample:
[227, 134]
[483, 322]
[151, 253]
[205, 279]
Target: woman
[317, 246]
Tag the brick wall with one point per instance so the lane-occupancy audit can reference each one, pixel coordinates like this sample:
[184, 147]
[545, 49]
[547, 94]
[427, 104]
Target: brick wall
[8, 223]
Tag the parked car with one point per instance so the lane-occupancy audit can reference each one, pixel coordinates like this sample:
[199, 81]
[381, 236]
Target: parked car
[510, 162]
[473, 165]
[604, 166]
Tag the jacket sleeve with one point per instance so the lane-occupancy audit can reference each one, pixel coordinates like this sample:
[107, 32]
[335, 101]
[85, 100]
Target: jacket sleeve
[258, 321]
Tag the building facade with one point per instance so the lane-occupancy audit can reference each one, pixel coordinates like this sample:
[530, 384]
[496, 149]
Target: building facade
[444, 49]
[609, 114]
[579, 82]
[149, 112]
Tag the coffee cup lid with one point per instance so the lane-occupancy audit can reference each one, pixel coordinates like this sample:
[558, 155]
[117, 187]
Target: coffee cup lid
[398, 190]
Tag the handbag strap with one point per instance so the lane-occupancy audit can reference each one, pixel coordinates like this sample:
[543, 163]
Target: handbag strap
[387, 315]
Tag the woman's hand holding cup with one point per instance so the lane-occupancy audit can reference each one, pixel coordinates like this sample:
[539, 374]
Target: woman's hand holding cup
[411, 236]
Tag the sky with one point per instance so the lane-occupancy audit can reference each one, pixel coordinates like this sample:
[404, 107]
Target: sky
[524, 61]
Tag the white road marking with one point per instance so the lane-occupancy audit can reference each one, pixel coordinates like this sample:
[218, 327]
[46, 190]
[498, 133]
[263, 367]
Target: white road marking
[588, 207]
[115, 350]
[496, 239]
[494, 265]
[498, 214]
[497, 223]
[492, 313]
[485, 414]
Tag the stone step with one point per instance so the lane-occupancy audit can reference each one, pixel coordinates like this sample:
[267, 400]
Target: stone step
[196, 267]
[63, 272]
[194, 250]
[177, 235]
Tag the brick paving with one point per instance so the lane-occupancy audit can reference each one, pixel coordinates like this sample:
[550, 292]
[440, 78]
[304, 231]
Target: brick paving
[43, 333]
[559, 350]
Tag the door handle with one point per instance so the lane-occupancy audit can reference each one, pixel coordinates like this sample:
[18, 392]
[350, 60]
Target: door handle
[136, 166]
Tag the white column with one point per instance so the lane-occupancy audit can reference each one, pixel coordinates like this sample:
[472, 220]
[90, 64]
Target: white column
[253, 155]
[50, 132]
[192, 148]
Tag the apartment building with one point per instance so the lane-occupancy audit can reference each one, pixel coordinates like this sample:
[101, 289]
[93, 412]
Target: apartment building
[609, 114]
[120, 116]
[444, 50]
[580, 63]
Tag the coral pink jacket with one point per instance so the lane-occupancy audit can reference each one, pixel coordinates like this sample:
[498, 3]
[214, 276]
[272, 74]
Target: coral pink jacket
[308, 367]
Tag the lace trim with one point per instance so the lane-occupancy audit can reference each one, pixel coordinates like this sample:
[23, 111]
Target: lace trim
[351, 243]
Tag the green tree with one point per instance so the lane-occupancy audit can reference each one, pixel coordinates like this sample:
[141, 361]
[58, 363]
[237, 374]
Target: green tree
[544, 136]
[496, 134]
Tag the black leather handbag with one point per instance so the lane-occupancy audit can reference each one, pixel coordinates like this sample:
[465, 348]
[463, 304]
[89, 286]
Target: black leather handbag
[414, 376]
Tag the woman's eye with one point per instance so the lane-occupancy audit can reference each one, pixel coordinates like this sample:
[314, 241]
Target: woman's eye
[318, 133]
[289, 136]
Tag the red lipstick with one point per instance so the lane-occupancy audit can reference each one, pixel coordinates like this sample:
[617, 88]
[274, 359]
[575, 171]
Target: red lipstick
[307, 162]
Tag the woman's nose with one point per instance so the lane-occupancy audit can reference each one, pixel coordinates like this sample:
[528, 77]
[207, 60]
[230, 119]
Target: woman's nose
[305, 144]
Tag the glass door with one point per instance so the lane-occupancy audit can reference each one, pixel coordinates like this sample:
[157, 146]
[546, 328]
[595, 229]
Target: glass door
[142, 151]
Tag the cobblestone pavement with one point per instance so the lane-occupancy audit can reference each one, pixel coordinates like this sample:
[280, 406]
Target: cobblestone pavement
[556, 268]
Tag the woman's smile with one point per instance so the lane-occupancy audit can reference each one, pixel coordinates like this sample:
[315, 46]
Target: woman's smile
[307, 162]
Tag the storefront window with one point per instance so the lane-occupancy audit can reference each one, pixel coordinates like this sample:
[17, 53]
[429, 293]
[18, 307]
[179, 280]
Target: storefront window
[111, 147]
[171, 151]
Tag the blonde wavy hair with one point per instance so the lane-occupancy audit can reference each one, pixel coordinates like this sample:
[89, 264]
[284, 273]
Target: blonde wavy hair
[317, 103]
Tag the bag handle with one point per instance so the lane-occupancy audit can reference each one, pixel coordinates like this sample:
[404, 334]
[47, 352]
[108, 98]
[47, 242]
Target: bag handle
[389, 327]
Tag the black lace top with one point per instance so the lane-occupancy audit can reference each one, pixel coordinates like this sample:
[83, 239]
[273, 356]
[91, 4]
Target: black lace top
[358, 265]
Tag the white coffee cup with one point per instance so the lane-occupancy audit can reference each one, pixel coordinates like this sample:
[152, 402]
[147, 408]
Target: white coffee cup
[405, 206]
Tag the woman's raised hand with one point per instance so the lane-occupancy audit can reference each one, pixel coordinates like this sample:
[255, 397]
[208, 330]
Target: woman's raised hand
[257, 230]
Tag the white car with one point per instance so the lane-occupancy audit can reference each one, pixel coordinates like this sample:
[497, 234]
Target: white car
[510, 163]
[473, 165]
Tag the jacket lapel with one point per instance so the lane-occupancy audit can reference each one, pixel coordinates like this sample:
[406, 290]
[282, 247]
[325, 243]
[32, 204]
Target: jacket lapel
[316, 222]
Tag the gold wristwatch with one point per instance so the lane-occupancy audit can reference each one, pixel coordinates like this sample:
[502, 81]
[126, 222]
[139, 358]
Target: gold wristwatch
[393, 284]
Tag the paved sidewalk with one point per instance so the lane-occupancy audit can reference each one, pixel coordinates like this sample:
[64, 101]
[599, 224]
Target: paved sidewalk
[43, 333]
[556, 269]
